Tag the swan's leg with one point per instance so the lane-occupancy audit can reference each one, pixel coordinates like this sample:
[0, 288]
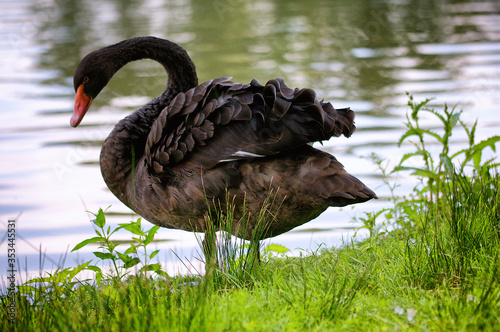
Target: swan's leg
[209, 251]
[255, 251]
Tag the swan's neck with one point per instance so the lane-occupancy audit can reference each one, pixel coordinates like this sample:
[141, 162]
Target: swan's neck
[124, 147]
[180, 69]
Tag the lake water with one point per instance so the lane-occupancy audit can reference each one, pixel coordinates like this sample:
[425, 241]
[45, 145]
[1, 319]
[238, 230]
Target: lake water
[363, 54]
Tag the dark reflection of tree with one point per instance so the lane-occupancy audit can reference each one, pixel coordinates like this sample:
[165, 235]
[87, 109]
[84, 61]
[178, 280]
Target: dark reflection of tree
[423, 22]
[74, 28]
[62, 30]
[388, 29]
[310, 43]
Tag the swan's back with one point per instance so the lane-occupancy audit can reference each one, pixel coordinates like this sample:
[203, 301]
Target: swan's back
[223, 139]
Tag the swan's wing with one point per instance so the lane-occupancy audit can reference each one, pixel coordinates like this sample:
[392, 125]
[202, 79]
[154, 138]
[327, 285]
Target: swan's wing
[220, 121]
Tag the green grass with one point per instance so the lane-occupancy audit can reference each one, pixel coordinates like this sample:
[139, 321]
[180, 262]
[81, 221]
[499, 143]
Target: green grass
[434, 266]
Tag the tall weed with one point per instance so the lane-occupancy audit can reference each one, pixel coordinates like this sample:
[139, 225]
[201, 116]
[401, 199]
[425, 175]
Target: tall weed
[451, 225]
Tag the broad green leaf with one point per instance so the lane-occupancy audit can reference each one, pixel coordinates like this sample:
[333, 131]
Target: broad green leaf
[123, 257]
[161, 273]
[131, 250]
[39, 279]
[410, 132]
[100, 219]
[424, 173]
[28, 290]
[448, 165]
[134, 261]
[454, 119]
[62, 275]
[133, 228]
[489, 142]
[416, 171]
[87, 241]
[405, 168]
[276, 248]
[433, 134]
[151, 267]
[73, 272]
[409, 155]
[94, 268]
[151, 235]
[443, 120]
[476, 157]
[104, 255]
[474, 153]
[154, 253]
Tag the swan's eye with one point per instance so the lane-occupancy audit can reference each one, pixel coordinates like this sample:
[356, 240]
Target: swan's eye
[86, 79]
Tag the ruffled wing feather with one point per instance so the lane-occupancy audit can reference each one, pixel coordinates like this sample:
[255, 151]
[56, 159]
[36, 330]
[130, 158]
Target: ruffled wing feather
[221, 120]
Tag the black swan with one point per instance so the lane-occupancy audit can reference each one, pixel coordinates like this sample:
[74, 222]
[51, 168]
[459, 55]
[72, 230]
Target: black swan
[199, 144]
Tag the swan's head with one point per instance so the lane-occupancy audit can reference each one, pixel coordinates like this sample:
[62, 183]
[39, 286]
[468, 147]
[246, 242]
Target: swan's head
[91, 76]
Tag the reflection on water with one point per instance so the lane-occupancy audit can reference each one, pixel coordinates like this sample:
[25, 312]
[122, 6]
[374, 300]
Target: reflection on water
[362, 54]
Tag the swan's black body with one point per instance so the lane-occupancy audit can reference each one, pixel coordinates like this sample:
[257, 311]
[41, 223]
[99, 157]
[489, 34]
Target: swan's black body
[217, 140]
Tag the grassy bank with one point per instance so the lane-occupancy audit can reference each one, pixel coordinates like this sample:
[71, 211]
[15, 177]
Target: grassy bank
[435, 266]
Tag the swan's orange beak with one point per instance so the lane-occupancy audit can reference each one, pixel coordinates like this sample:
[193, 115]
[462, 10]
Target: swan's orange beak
[82, 104]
